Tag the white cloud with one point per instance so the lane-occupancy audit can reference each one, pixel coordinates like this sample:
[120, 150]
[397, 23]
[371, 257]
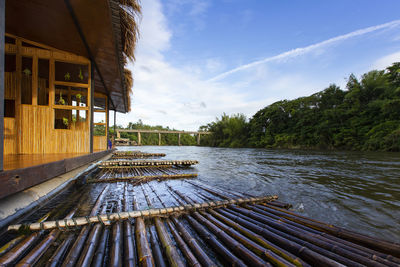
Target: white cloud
[303, 50]
[178, 97]
[386, 61]
[185, 101]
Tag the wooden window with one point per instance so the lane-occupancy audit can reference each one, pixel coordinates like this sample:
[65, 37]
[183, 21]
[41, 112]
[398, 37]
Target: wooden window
[71, 73]
[43, 82]
[62, 118]
[26, 81]
[9, 108]
[71, 96]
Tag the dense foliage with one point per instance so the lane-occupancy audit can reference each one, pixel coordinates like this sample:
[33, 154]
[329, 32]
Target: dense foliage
[152, 138]
[366, 116]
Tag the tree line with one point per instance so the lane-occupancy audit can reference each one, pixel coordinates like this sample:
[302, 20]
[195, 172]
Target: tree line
[152, 138]
[364, 116]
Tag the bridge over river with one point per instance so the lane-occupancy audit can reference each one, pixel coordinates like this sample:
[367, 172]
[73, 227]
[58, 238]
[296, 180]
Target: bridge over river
[159, 132]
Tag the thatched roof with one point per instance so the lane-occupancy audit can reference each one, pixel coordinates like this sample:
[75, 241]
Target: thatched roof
[103, 30]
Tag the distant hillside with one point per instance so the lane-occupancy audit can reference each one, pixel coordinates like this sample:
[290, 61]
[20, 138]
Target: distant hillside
[366, 116]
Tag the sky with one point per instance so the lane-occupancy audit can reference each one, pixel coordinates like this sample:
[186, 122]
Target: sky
[196, 59]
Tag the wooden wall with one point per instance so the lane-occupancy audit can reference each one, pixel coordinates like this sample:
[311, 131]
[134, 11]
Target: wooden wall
[99, 143]
[32, 131]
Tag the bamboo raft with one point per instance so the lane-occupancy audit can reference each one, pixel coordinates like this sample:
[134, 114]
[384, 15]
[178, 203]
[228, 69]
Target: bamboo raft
[135, 155]
[182, 223]
[145, 163]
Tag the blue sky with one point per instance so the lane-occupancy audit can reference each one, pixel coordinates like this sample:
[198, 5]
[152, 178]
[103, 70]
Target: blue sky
[199, 58]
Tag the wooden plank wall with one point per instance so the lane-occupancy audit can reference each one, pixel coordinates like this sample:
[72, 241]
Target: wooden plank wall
[32, 130]
[99, 143]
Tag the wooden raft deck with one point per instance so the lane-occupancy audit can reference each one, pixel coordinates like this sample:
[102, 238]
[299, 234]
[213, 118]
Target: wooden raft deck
[184, 223]
[26, 170]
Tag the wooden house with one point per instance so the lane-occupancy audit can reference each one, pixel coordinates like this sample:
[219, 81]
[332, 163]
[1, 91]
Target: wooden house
[62, 65]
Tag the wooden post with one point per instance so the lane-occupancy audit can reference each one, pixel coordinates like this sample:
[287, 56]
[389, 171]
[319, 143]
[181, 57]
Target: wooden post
[107, 122]
[35, 79]
[139, 139]
[159, 139]
[115, 119]
[2, 32]
[91, 105]
[198, 139]
[179, 139]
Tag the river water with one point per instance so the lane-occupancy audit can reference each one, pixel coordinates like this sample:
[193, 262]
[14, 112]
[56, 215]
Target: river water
[355, 190]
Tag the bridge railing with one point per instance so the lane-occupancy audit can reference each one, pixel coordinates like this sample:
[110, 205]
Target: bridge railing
[159, 132]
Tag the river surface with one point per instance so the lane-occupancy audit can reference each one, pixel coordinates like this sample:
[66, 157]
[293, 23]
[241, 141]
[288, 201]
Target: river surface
[356, 190]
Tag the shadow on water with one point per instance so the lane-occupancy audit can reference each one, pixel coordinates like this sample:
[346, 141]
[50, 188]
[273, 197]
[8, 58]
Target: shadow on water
[355, 190]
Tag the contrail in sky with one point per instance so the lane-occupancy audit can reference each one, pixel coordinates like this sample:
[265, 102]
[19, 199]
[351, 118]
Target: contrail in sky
[303, 50]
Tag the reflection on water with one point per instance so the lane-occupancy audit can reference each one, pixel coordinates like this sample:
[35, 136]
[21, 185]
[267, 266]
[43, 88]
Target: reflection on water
[355, 190]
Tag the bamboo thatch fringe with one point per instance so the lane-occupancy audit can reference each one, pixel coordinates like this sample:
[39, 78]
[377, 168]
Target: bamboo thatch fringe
[147, 163]
[138, 213]
[136, 180]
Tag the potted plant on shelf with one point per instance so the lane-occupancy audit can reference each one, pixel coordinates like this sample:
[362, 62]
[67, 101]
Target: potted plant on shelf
[61, 101]
[80, 75]
[65, 121]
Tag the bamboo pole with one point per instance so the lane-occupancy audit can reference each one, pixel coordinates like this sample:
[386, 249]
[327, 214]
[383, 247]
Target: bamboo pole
[213, 242]
[370, 242]
[12, 243]
[78, 221]
[20, 247]
[135, 167]
[189, 256]
[248, 243]
[135, 155]
[170, 250]
[187, 238]
[147, 163]
[74, 253]
[237, 247]
[59, 254]
[282, 240]
[260, 240]
[91, 243]
[35, 254]
[158, 256]
[144, 252]
[116, 247]
[201, 255]
[136, 180]
[331, 242]
[306, 236]
[129, 247]
[98, 259]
